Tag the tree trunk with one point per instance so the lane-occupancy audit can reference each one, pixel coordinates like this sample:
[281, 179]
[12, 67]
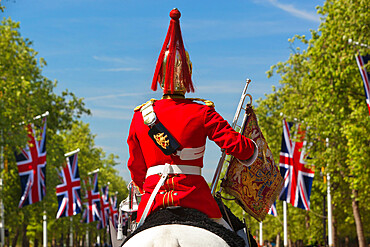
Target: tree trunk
[15, 239]
[335, 232]
[346, 241]
[307, 219]
[25, 242]
[278, 240]
[358, 221]
[61, 240]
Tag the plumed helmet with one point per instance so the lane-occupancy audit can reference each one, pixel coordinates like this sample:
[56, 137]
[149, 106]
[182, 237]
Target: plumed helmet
[173, 69]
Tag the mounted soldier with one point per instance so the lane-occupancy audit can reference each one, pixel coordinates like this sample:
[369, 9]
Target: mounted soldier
[167, 141]
[167, 137]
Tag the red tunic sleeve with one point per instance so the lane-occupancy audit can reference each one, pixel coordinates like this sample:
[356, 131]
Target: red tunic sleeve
[136, 163]
[219, 131]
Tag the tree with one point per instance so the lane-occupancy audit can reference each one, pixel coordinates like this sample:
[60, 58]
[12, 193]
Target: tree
[25, 93]
[322, 89]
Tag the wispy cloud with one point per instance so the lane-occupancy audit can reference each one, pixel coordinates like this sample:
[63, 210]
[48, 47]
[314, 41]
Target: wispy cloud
[117, 62]
[291, 9]
[112, 96]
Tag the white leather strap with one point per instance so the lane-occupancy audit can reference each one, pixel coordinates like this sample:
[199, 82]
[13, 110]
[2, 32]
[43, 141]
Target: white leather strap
[175, 169]
[148, 113]
[191, 153]
[164, 172]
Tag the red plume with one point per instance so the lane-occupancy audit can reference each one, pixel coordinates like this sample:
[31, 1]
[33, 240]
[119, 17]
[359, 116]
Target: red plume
[173, 39]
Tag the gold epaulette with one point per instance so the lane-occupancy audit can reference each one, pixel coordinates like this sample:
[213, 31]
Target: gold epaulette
[206, 102]
[137, 108]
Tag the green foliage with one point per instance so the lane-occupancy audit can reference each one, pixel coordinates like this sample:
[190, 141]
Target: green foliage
[25, 93]
[321, 88]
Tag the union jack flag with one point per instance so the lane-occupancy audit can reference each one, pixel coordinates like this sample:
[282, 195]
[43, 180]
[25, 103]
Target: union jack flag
[113, 211]
[104, 203]
[91, 201]
[273, 210]
[361, 62]
[297, 178]
[31, 163]
[69, 191]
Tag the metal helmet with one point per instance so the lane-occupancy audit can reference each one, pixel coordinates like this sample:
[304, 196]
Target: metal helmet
[173, 69]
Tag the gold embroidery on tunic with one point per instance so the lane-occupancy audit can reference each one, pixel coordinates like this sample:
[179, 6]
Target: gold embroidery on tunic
[162, 140]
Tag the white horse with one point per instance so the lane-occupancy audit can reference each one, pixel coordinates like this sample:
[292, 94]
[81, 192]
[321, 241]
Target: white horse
[176, 228]
[175, 236]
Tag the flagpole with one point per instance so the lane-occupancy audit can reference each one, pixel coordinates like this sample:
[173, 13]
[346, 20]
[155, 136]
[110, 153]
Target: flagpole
[45, 230]
[45, 114]
[71, 232]
[2, 226]
[92, 172]
[42, 115]
[72, 152]
[324, 220]
[330, 221]
[261, 234]
[350, 41]
[98, 238]
[285, 224]
[87, 238]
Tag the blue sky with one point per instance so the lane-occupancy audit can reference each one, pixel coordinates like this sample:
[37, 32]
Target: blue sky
[105, 52]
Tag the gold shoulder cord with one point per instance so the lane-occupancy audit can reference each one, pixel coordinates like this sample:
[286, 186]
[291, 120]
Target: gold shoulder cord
[137, 108]
[206, 102]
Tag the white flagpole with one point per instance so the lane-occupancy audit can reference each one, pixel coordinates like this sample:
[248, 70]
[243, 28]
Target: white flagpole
[87, 239]
[98, 238]
[350, 41]
[330, 221]
[42, 115]
[72, 152]
[261, 234]
[45, 230]
[92, 172]
[2, 226]
[285, 224]
[71, 233]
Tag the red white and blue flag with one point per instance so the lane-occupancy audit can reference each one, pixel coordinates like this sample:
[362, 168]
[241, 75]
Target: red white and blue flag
[361, 62]
[104, 206]
[91, 200]
[31, 163]
[297, 178]
[273, 210]
[113, 211]
[69, 191]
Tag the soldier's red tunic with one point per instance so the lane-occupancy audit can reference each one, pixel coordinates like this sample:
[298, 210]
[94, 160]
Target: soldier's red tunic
[190, 124]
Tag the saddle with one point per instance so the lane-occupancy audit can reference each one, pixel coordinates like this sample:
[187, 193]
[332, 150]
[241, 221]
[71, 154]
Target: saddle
[193, 217]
